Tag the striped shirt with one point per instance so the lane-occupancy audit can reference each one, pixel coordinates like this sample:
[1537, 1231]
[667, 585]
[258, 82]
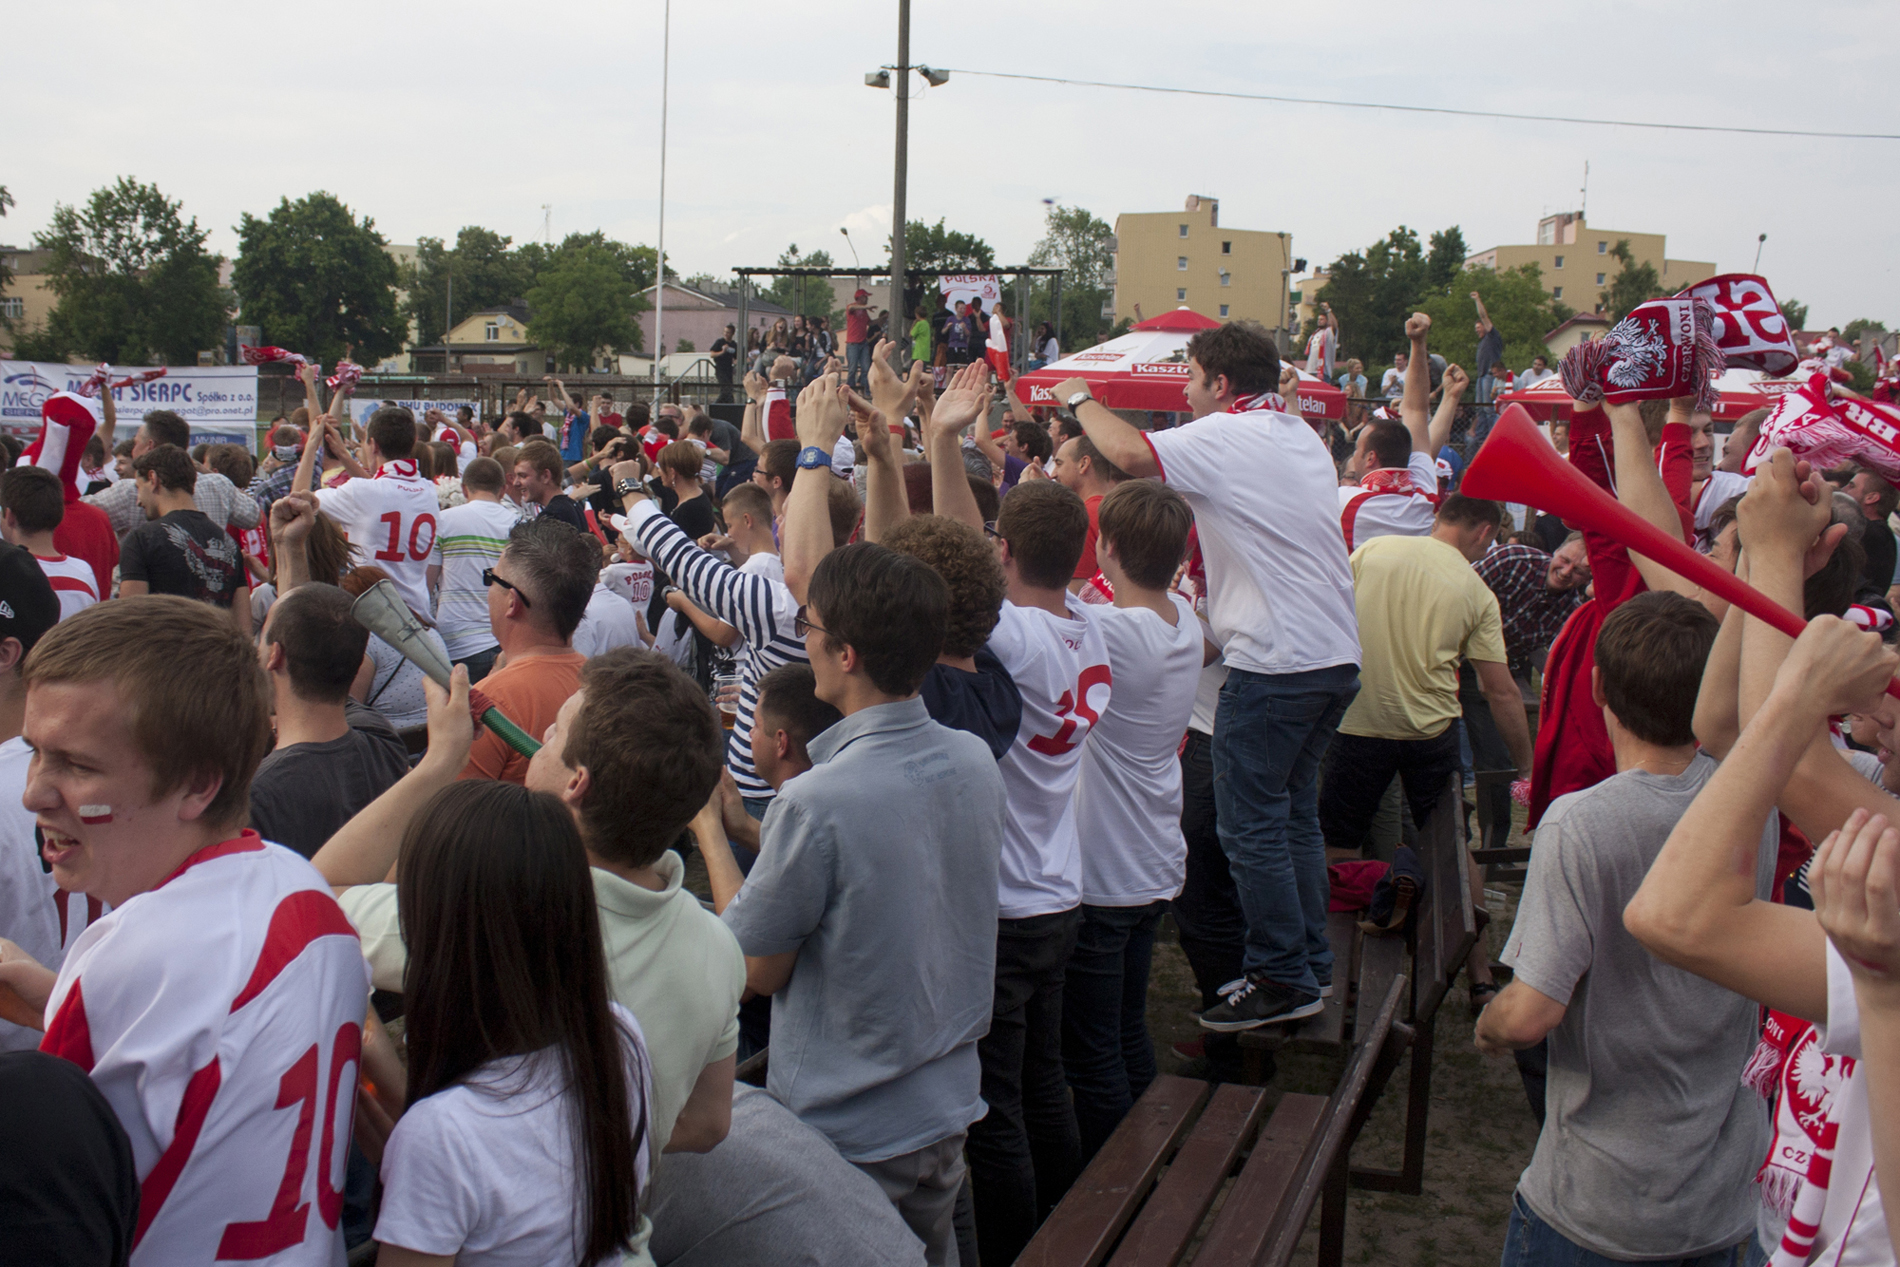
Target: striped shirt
[471, 538]
[760, 608]
[72, 580]
[220, 501]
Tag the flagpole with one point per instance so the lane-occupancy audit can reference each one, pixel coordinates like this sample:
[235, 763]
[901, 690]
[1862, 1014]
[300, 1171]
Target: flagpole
[659, 283]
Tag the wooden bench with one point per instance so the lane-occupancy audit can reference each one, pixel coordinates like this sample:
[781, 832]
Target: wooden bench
[1504, 863]
[1146, 1194]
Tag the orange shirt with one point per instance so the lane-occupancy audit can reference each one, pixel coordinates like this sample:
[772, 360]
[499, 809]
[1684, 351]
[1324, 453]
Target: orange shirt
[1086, 567]
[529, 692]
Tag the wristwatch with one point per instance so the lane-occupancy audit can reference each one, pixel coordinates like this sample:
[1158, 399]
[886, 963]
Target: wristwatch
[627, 487]
[1078, 398]
[812, 457]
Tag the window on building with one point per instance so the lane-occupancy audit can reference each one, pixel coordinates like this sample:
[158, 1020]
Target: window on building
[1603, 248]
[13, 308]
[1556, 292]
[1180, 263]
[1180, 294]
[1600, 277]
[1223, 310]
[1226, 248]
[492, 332]
[1559, 262]
[1184, 230]
[1226, 278]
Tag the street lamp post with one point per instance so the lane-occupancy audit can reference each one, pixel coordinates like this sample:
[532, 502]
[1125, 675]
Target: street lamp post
[659, 270]
[902, 84]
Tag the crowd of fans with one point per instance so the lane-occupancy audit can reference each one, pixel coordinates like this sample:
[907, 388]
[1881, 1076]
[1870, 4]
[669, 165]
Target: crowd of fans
[298, 955]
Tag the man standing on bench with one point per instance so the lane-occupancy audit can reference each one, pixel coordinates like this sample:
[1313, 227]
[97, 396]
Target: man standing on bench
[1650, 1135]
[1266, 505]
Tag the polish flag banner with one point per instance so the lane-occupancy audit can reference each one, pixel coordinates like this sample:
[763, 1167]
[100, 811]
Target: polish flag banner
[1831, 431]
[997, 348]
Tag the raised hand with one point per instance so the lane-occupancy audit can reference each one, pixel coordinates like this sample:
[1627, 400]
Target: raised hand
[890, 395]
[874, 431]
[1418, 325]
[1784, 511]
[966, 400]
[1289, 382]
[756, 387]
[292, 516]
[1455, 381]
[1853, 879]
[822, 415]
[1837, 666]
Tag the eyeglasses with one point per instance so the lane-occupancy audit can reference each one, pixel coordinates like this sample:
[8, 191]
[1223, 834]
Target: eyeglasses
[489, 578]
[989, 529]
[801, 626]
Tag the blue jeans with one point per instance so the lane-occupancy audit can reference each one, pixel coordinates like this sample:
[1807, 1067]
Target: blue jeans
[1531, 1242]
[857, 365]
[1106, 1051]
[1270, 732]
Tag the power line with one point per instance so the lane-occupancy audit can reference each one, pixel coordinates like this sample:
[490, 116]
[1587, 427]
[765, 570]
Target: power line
[1470, 114]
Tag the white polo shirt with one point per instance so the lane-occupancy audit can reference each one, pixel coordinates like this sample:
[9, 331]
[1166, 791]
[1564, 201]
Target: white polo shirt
[1266, 503]
[391, 520]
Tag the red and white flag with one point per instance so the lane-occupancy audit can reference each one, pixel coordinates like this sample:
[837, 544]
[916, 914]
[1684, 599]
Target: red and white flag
[997, 347]
[1830, 431]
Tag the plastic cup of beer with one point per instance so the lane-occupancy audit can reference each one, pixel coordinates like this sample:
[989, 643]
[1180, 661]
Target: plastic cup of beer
[725, 695]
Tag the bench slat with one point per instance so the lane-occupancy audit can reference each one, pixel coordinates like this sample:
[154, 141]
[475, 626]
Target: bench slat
[1345, 1113]
[1083, 1227]
[1182, 1198]
[1248, 1217]
[1380, 959]
[1446, 927]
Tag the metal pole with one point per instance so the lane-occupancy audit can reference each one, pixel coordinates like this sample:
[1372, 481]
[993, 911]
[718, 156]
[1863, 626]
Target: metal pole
[1056, 281]
[659, 283]
[744, 328]
[902, 84]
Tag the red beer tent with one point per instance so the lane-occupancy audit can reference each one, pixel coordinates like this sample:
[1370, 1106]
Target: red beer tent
[1147, 369]
[1741, 390]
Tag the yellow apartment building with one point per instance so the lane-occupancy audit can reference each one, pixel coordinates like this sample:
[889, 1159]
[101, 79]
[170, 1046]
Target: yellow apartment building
[1164, 259]
[1576, 265]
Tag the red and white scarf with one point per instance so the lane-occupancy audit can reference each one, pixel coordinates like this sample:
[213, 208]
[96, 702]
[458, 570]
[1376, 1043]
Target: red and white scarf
[262, 356]
[1664, 349]
[102, 380]
[1394, 479]
[348, 375]
[1810, 1084]
[1748, 326]
[1273, 401]
[1829, 430]
[399, 468]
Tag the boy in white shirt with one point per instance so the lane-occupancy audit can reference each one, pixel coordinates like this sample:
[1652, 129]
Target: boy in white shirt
[221, 1012]
[34, 506]
[1026, 1152]
[391, 517]
[470, 540]
[1128, 804]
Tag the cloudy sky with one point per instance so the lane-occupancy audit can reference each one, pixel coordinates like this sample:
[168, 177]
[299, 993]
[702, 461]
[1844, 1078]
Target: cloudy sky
[428, 116]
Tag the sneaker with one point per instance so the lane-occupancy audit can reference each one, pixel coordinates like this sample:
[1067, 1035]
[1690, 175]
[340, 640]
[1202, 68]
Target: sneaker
[1256, 1003]
[1325, 988]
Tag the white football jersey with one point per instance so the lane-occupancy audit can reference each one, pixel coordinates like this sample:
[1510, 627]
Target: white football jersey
[221, 1015]
[1128, 798]
[35, 914]
[391, 520]
[1061, 669]
[72, 579]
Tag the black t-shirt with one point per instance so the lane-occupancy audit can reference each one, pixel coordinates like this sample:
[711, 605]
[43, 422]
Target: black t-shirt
[724, 350]
[694, 516]
[562, 507]
[183, 553]
[302, 795]
[985, 703]
[1876, 574]
[69, 1192]
[726, 436]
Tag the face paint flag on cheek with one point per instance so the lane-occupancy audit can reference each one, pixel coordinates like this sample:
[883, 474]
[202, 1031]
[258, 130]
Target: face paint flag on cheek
[94, 815]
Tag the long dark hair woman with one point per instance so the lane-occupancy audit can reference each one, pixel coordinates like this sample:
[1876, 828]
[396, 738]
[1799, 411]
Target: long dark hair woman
[525, 1137]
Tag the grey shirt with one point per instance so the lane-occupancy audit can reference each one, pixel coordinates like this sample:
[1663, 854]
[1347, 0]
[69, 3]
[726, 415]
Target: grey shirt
[1650, 1140]
[878, 866]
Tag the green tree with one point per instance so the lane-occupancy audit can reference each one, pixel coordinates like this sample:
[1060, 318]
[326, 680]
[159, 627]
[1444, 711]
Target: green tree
[936, 249]
[1080, 244]
[1633, 284]
[1447, 257]
[1520, 308]
[806, 296]
[583, 302]
[1795, 313]
[1373, 291]
[317, 279]
[485, 269]
[133, 279]
[6, 274]
[1863, 325]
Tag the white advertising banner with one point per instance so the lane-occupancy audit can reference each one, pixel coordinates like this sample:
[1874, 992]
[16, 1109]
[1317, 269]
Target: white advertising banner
[360, 410]
[963, 287]
[220, 402]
